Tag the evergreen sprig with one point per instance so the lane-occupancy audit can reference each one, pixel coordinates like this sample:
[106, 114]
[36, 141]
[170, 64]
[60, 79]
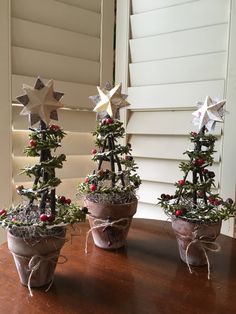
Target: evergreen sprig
[116, 168]
[194, 199]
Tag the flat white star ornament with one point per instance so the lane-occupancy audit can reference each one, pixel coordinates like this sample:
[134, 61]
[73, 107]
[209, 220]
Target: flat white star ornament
[209, 112]
[110, 100]
[40, 102]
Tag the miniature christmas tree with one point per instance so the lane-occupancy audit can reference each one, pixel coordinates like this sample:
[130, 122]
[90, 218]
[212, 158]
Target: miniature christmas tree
[115, 179]
[194, 198]
[43, 208]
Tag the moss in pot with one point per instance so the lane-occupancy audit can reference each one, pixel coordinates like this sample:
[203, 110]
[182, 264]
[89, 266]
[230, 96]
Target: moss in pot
[109, 192]
[196, 209]
[37, 226]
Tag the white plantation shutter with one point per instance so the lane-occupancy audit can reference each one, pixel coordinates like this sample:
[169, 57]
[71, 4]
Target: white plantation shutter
[64, 40]
[174, 54]
[61, 40]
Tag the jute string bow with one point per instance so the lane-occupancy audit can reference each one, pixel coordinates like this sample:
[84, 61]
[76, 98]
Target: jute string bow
[35, 263]
[103, 223]
[205, 243]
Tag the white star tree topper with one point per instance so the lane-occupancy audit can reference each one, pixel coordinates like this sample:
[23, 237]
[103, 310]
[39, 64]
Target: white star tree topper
[41, 102]
[209, 113]
[110, 100]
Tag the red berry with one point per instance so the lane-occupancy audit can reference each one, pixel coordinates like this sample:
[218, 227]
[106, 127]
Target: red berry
[14, 219]
[199, 162]
[193, 134]
[217, 202]
[200, 193]
[62, 199]
[211, 199]
[179, 212]
[181, 182]
[43, 217]
[205, 170]
[86, 180]
[94, 151]
[68, 201]
[3, 212]
[54, 127]
[50, 218]
[33, 143]
[93, 187]
[109, 121]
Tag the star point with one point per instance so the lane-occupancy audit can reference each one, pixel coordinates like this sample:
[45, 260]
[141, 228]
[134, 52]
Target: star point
[209, 112]
[40, 102]
[109, 99]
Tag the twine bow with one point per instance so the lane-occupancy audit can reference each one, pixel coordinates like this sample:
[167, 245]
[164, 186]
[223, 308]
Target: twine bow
[99, 223]
[205, 244]
[35, 262]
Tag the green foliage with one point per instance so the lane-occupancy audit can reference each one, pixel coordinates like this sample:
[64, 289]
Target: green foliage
[116, 171]
[193, 199]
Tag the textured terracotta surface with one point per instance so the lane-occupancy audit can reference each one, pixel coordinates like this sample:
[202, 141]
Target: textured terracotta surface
[147, 276]
[195, 238]
[40, 255]
[110, 223]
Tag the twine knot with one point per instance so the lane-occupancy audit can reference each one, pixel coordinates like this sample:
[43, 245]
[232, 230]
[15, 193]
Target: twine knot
[104, 223]
[206, 244]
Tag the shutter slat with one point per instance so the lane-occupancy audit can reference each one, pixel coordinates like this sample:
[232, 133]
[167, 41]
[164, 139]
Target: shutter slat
[51, 65]
[174, 95]
[164, 147]
[26, 34]
[58, 14]
[166, 171]
[140, 6]
[163, 123]
[75, 95]
[74, 143]
[74, 167]
[184, 43]
[69, 120]
[149, 210]
[189, 15]
[186, 69]
[94, 5]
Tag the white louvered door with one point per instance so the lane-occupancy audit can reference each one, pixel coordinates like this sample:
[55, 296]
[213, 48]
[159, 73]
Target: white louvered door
[175, 53]
[71, 42]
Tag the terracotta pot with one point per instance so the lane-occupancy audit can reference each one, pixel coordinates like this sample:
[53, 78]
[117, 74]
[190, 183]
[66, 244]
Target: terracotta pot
[36, 258]
[110, 223]
[195, 238]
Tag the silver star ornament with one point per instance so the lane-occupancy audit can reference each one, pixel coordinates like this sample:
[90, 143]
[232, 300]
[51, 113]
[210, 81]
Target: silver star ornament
[40, 102]
[209, 112]
[109, 100]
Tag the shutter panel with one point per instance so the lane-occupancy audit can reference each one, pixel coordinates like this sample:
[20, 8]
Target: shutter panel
[59, 40]
[178, 56]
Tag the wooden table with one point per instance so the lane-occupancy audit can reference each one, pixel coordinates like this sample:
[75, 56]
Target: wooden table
[145, 277]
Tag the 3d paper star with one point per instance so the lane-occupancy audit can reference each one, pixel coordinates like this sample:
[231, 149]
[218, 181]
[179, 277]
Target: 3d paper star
[209, 113]
[109, 100]
[41, 102]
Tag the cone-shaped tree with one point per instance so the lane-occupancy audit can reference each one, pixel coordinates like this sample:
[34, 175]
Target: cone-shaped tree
[115, 179]
[43, 206]
[195, 198]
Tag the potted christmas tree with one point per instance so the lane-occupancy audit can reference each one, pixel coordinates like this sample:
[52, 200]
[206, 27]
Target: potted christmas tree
[109, 191]
[196, 208]
[37, 226]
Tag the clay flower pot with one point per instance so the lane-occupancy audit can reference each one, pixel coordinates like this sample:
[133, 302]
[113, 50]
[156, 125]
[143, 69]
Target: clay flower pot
[110, 223]
[196, 240]
[36, 258]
